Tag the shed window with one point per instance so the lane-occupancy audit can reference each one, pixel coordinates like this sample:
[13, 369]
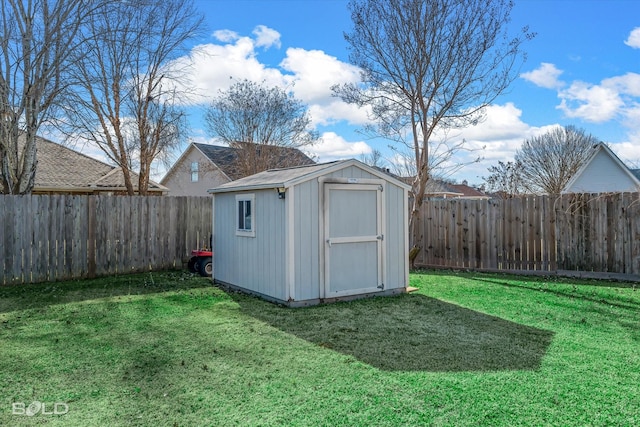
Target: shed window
[195, 168]
[245, 206]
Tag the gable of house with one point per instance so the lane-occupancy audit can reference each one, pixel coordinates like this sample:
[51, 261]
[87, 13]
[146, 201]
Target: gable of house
[205, 166]
[603, 172]
[193, 174]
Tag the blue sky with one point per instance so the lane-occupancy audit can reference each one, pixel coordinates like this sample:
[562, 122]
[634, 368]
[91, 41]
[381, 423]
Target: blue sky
[583, 68]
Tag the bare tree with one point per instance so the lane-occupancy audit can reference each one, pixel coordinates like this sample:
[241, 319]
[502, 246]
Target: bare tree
[428, 65]
[127, 102]
[548, 161]
[505, 179]
[260, 122]
[374, 159]
[37, 38]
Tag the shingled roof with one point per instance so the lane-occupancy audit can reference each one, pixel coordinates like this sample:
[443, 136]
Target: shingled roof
[61, 169]
[441, 189]
[226, 158]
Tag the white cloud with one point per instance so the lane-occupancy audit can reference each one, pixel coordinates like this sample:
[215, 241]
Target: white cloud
[266, 37]
[308, 74]
[334, 147]
[501, 122]
[628, 84]
[628, 152]
[336, 110]
[494, 139]
[634, 38]
[544, 76]
[213, 67]
[593, 103]
[225, 36]
[315, 72]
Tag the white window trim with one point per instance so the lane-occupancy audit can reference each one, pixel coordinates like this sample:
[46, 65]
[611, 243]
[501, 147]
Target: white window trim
[243, 198]
[195, 170]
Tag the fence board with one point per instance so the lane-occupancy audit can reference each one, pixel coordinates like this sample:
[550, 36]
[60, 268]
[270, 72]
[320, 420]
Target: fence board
[596, 233]
[59, 237]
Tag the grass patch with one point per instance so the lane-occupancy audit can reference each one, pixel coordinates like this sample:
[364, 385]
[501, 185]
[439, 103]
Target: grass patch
[466, 349]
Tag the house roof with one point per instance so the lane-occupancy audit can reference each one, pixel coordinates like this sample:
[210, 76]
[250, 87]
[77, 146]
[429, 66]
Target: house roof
[289, 177]
[597, 149]
[63, 169]
[226, 158]
[437, 187]
[466, 190]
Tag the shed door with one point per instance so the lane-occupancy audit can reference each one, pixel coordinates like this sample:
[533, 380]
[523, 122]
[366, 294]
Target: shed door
[353, 239]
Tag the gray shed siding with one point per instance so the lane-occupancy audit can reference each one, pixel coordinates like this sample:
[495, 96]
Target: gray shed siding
[257, 263]
[307, 232]
[285, 259]
[307, 240]
[396, 201]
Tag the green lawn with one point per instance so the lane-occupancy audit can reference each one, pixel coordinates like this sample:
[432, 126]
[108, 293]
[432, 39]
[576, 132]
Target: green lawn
[167, 349]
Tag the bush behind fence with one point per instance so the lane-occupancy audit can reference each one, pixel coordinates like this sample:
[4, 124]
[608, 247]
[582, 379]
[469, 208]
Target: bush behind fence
[61, 237]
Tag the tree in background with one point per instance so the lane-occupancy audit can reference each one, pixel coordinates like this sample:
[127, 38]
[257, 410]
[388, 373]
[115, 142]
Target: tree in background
[374, 159]
[259, 121]
[505, 179]
[428, 65]
[37, 38]
[548, 161]
[126, 100]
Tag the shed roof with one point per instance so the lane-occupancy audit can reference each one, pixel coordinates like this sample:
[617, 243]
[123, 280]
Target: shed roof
[291, 176]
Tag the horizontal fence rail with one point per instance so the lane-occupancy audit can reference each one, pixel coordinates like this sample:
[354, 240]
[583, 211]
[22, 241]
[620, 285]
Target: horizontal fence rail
[62, 237]
[589, 233]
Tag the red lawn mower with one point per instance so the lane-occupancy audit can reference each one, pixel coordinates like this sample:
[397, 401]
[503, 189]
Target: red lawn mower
[201, 262]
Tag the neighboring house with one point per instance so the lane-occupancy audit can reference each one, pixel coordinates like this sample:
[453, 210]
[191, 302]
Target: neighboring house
[205, 166]
[437, 189]
[312, 234]
[603, 172]
[61, 170]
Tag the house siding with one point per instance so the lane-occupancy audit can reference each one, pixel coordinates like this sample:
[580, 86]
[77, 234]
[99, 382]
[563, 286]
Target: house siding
[179, 179]
[602, 175]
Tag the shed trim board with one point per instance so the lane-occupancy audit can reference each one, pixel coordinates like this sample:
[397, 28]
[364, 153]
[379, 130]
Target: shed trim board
[213, 233]
[405, 208]
[290, 244]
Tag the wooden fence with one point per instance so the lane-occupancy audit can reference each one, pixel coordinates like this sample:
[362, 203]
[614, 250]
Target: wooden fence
[587, 233]
[61, 237]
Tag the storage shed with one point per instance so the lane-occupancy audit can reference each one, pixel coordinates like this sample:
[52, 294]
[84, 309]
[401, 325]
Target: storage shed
[312, 234]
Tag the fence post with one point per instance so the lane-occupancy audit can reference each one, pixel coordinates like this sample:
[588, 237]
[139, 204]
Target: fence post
[91, 244]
